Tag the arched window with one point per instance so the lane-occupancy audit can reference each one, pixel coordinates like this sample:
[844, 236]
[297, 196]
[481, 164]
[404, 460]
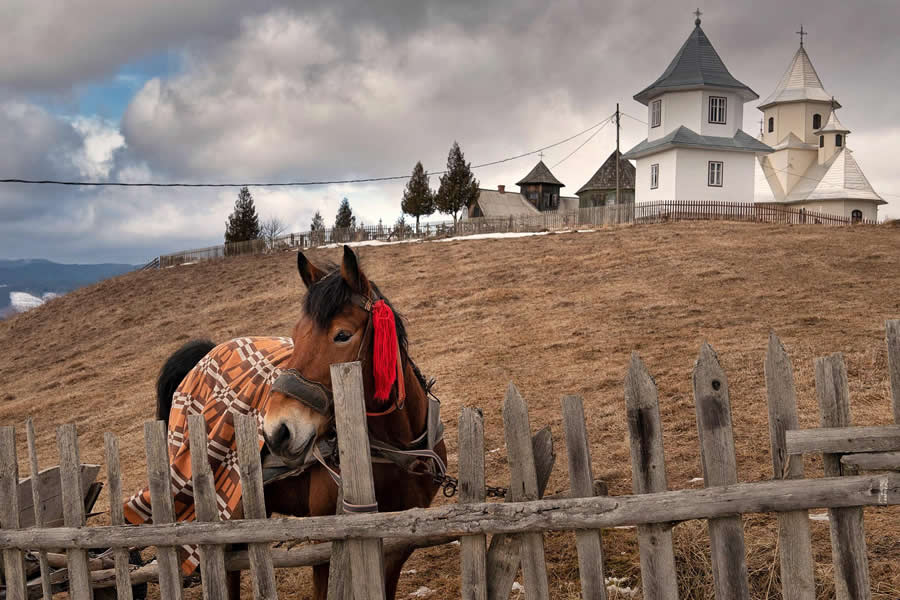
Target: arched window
[838, 140]
[771, 124]
[821, 141]
[856, 216]
[817, 122]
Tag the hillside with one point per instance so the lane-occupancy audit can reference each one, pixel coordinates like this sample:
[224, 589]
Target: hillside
[556, 314]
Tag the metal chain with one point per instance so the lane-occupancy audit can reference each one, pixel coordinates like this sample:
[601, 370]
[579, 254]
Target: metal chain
[449, 484]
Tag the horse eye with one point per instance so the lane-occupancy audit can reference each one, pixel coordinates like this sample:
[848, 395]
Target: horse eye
[342, 336]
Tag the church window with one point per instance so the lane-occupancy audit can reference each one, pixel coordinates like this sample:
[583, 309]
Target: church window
[771, 124]
[838, 140]
[655, 113]
[821, 141]
[817, 121]
[715, 173]
[856, 216]
[654, 176]
[717, 109]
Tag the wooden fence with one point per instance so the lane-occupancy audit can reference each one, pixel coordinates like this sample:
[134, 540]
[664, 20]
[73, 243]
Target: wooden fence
[644, 213]
[517, 525]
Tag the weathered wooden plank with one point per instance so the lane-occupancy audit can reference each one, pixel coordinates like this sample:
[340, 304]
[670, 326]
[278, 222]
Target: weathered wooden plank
[581, 478]
[843, 440]
[648, 475]
[73, 508]
[339, 563]
[794, 539]
[726, 534]
[117, 515]
[13, 562]
[473, 549]
[848, 538]
[253, 499]
[212, 558]
[892, 336]
[366, 558]
[51, 495]
[562, 514]
[504, 553]
[523, 486]
[37, 505]
[161, 503]
[873, 461]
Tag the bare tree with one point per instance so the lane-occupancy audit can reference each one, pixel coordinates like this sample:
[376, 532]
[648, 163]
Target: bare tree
[270, 230]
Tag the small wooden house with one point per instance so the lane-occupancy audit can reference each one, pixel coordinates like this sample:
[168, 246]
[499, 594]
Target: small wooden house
[600, 190]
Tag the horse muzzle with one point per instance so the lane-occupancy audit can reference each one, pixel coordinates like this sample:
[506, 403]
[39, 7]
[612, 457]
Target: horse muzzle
[290, 441]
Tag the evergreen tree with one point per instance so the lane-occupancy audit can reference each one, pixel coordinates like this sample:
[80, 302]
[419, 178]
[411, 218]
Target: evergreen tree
[318, 222]
[344, 218]
[418, 199]
[243, 223]
[459, 188]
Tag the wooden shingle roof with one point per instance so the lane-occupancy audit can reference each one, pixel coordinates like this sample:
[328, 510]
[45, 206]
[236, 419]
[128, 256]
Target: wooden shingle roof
[605, 177]
[540, 174]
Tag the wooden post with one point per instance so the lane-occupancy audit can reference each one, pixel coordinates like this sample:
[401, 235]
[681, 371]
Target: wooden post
[161, 503]
[339, 563]
[892, 335]
[212, 558]
[473, 548]
[848, 538]
[13, 563]
[46, 587]
[794, 540]
[366, 558]
[117, 514]
[588, 543]
[73, 508]
[726, 534]
[523, 486]
[648, 475]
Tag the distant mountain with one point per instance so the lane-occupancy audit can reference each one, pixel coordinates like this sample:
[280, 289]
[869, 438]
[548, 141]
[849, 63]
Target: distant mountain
[27, 283]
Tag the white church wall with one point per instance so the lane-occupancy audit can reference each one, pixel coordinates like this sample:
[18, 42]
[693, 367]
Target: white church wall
[678, 108]
[737, 180]
[734, 115]
[666, 187]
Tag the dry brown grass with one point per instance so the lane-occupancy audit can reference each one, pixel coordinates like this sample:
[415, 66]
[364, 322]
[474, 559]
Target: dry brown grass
[556, 314]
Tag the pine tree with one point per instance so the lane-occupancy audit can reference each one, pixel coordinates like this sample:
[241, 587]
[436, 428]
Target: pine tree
[459, 188]
[243, 223]
[317, 222]
[344, 218]
[418, 199]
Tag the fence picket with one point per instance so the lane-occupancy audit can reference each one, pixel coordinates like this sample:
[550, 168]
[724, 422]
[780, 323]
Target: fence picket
[892, 336]
[366, 558]
[848, 539]
[46, 587]
[117, 514]
[73, 508]
[589, 544]
[212, 558]
[13, 561]
[161, 503]
[473, 548]
[726, 534]
[648, 475]
[523, 486]
[794, 539]
[339, 563]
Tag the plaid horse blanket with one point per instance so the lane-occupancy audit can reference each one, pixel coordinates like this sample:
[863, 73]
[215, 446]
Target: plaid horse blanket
[234, 378]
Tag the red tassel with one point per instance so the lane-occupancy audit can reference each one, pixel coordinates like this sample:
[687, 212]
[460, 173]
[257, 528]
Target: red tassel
[385, 350]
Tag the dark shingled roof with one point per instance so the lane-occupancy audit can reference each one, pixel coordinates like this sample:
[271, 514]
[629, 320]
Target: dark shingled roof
[696, 65]
[605, 177]
[685, 138]
[541, 174]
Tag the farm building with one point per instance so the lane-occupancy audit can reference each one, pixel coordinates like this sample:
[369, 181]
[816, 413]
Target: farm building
[539, 191]
[600, 190]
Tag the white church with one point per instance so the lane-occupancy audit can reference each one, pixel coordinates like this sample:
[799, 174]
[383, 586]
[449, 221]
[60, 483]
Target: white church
[696, 150]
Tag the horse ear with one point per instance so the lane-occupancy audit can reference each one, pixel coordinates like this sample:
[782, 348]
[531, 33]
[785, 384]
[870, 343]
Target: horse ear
[309, 272]
[352, 274]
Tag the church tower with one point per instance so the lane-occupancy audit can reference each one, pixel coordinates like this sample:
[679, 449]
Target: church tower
[811, 167]
[695, 148]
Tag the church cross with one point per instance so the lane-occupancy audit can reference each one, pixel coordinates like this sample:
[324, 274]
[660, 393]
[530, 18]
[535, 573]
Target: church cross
[541, 155]
[697, 14]
[801, 33]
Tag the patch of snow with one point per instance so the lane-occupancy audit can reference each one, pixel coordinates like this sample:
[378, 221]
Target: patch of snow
[493, 236]
[494, 450]
[618, 587]
[585, 230]
[625, 527]
[518, 587]
[185, 264]
[818, 516]
[697, 480]
[408, 572]
[421, 592]
[454, 543]
[22, 301]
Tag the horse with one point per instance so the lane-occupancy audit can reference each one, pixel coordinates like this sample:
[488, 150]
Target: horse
[342, 320]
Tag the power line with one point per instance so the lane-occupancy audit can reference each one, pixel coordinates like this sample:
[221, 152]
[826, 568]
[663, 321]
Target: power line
[607, 121]
[635, 118]
[286, 183]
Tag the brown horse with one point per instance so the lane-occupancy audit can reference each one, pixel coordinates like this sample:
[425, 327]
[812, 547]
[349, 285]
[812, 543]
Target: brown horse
[335, 326]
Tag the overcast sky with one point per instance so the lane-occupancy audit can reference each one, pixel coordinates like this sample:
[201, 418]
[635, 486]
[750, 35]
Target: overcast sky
[211, 91]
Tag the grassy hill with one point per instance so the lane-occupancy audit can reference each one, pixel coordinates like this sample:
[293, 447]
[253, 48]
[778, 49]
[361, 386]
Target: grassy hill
[556, 314]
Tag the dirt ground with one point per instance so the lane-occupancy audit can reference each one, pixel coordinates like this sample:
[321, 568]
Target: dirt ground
[556, 314]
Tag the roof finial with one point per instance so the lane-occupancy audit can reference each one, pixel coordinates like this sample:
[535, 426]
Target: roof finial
[541, 155]
[801, 33]
[697, 14]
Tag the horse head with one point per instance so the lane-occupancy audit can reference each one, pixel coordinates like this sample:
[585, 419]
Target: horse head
[336, 326]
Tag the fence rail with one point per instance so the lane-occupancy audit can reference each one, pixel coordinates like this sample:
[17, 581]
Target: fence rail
[643, 213]
[518, 524]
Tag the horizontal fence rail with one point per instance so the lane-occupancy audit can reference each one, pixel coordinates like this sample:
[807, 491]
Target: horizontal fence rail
[665, 211]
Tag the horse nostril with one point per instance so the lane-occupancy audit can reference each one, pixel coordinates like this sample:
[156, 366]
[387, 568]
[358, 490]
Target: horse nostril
[282, 435]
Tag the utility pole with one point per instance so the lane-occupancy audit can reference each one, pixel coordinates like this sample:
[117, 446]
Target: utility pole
[617, 154]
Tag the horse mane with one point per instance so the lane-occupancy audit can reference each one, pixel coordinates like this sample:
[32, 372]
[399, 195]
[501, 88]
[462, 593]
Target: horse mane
[328, 296]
